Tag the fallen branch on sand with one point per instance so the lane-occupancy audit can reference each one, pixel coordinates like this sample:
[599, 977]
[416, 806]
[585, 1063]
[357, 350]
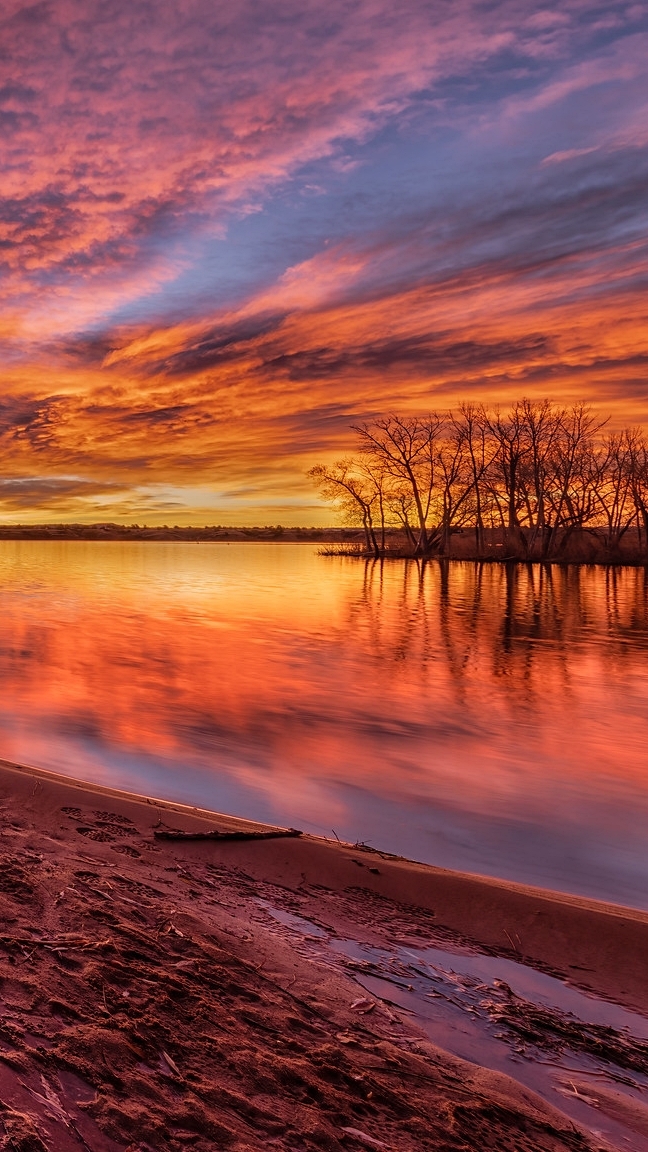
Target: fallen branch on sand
[173, 834]
[62, 943]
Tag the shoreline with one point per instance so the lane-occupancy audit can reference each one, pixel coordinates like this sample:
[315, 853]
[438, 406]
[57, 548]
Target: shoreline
[521, 562]
[150, 1000]
[606, 943]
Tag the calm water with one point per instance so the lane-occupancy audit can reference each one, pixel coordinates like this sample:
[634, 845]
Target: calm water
[489, 719]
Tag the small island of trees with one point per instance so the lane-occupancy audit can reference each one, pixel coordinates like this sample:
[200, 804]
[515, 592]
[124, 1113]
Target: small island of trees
[538, 482]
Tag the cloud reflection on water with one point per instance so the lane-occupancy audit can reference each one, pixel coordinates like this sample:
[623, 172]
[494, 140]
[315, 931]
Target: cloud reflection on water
[486, 718]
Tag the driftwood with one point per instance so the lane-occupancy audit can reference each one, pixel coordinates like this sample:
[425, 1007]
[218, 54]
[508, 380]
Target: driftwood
[172, 834]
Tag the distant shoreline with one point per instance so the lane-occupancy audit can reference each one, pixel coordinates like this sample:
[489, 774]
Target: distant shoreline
[125, 532]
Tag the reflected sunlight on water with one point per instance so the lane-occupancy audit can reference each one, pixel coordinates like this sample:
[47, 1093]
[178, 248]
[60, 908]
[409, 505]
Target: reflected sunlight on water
[486, 718]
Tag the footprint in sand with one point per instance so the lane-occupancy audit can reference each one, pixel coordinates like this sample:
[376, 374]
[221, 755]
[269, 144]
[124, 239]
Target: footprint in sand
[114, 818]
[126, 850]
[96, 834]
[115, 824]
[106, 827]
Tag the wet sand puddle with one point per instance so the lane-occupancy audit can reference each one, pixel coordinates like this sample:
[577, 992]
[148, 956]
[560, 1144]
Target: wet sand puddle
[586, 1056]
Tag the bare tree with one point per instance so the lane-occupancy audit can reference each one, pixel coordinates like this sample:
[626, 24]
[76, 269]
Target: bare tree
[572, 482]
[638, 449]
[471, 427]
[614, 489]
[457, 492]
[350, 490]
[401, 506]
[509, 434]
[542, 423]
[404, 446]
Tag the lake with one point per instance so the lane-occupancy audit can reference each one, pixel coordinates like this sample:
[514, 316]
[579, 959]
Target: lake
[488, 718]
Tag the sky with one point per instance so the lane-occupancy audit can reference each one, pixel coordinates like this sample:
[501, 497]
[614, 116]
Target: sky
[228, 232]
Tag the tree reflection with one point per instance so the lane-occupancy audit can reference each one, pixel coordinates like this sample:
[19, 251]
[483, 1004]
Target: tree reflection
[518, 624]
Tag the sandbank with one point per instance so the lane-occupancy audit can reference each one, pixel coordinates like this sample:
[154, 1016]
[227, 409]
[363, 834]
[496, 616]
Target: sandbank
[150, 1002]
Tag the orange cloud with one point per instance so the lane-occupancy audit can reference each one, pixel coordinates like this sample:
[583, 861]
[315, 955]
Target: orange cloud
[396, 199]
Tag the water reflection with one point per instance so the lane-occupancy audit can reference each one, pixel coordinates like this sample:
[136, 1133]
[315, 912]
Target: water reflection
[482, 717]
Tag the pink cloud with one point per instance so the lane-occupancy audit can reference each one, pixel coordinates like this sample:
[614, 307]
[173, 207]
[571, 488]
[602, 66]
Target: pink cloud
[119, 127]
[568, 154]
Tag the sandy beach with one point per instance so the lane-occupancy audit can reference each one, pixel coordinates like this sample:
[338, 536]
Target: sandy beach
[150, 1001]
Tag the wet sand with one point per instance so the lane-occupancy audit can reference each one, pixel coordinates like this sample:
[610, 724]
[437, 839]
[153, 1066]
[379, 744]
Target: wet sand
[148, 1002]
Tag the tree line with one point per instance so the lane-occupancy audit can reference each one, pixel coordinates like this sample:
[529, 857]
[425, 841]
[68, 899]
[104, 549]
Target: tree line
[535, 477]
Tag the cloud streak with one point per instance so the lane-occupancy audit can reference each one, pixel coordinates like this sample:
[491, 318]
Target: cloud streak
[227, 234]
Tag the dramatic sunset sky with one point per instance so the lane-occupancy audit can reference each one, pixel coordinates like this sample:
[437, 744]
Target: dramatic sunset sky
[229, 230]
